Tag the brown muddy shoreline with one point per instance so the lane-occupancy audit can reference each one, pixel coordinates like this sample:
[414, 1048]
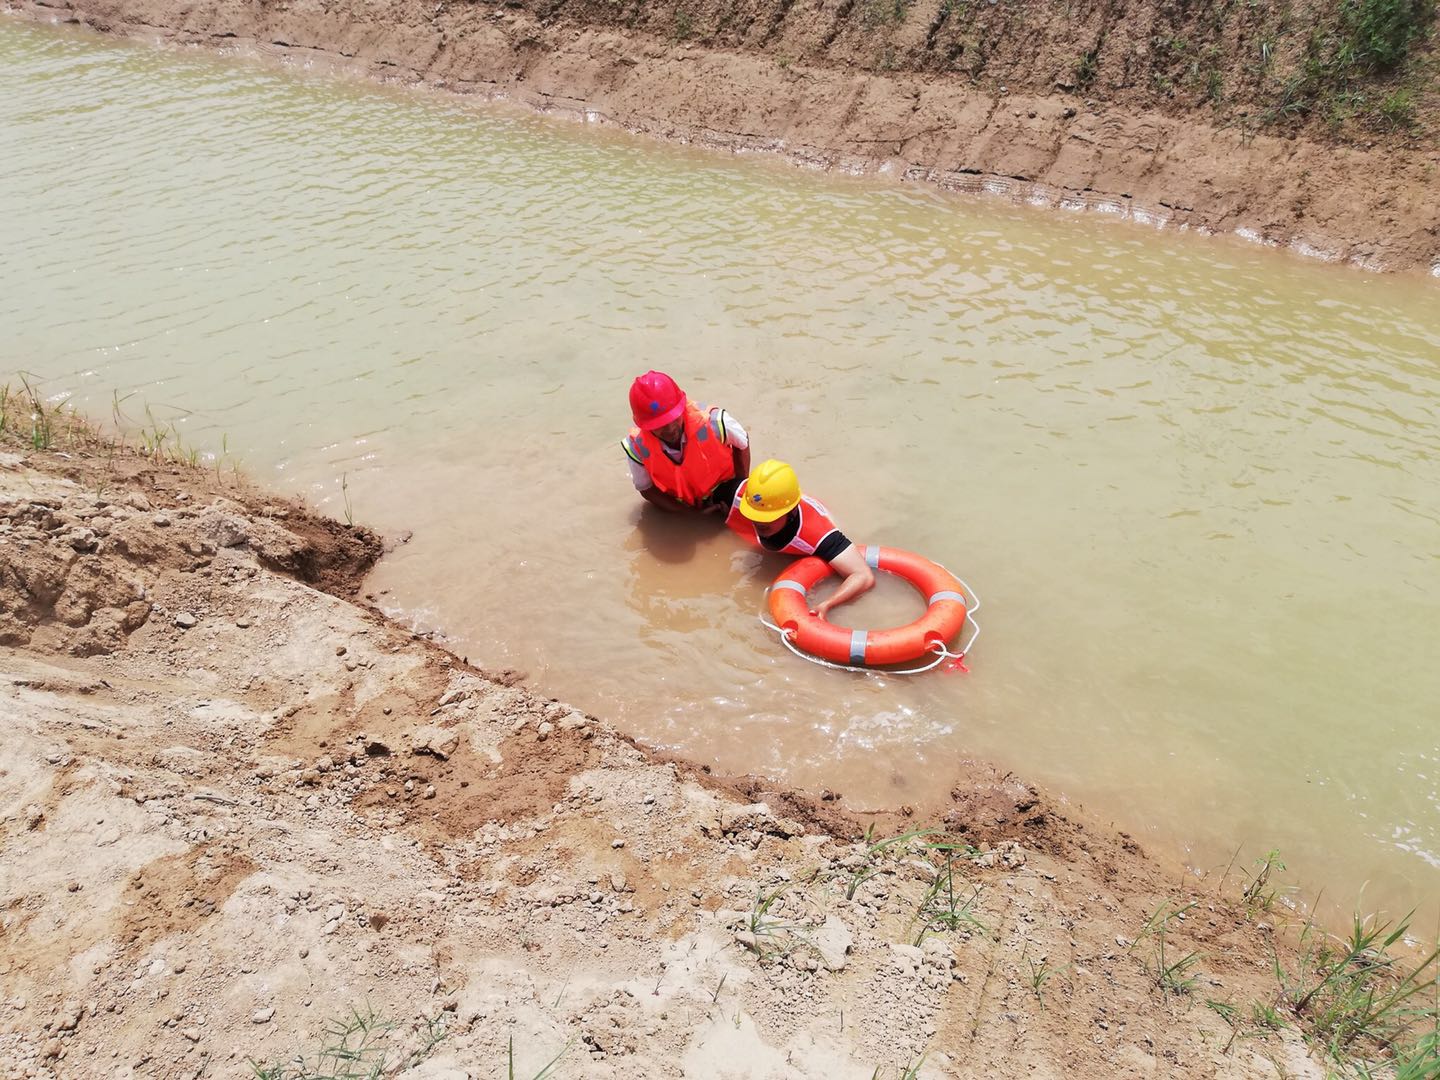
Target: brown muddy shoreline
[235, 804]
[1371, 206]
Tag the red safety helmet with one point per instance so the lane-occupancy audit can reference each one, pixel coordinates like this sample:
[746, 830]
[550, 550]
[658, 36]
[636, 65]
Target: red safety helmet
[655, 400]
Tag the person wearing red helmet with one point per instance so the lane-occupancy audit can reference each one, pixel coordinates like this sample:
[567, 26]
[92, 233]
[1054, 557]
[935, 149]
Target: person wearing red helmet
[683, 457]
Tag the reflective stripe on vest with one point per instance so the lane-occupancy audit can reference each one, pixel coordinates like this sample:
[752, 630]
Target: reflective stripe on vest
[635, 449]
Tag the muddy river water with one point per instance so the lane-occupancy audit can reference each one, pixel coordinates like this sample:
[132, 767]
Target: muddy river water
[1193, 481]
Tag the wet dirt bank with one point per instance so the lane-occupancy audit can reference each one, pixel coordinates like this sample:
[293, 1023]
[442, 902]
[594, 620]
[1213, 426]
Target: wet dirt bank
[1368, 202]
[235, 805]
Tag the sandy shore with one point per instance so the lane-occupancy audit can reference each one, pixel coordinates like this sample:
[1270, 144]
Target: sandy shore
[237, 804]
[810, 89]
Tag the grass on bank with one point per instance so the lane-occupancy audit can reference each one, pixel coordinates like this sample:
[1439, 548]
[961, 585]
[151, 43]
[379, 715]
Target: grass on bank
[943, 907]
[359, 1046]
[1356, 1001]
[364, 1046]
[1359, 67]
[770, 935]
[1369, 1013]
[1260, 892]
[1365, 1002]
[1038, 975]
[871, 860]
[29, 420]
[1173, 971]
[902, 1072]
[1350, 62]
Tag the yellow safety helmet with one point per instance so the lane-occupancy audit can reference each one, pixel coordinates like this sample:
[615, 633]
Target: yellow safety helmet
[771, 492]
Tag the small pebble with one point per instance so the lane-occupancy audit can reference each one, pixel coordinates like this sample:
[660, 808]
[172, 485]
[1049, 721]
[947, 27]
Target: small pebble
[185, 620]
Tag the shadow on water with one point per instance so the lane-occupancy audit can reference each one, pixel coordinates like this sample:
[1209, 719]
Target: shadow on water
[671, 538]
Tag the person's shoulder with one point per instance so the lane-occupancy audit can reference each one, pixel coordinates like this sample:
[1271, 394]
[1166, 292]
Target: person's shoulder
[832, 545]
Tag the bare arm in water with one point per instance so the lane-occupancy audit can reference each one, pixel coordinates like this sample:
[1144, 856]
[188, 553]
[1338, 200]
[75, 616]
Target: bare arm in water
[742, 461]
[858, 579]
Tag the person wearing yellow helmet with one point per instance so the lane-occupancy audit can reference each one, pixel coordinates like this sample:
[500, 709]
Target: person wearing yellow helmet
[770, 511]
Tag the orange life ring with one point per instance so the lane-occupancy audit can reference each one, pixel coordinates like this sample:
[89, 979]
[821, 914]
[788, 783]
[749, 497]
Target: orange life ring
[943, 619]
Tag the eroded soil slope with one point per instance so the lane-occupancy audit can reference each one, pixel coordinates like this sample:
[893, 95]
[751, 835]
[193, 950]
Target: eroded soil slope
[1280, 122]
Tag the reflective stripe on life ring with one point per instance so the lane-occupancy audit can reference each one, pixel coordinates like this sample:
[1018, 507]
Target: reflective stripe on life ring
[943, 619]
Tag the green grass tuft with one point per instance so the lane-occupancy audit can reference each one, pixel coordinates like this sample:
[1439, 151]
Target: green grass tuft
[360, 1046]
[1172, 973]
[1398, 109]
[1377, 35]
[1350, 995]
[944, 907]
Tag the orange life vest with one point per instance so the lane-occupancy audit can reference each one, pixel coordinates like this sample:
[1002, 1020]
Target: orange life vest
[706, 460]
[815, 524]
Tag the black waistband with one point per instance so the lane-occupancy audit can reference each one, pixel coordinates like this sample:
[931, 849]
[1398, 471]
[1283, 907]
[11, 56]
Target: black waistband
[723, 493]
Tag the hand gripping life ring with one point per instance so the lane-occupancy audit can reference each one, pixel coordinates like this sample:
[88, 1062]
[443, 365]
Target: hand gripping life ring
[943, 619]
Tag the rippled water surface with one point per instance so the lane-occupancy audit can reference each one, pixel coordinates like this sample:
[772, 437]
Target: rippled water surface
[1194, 483]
